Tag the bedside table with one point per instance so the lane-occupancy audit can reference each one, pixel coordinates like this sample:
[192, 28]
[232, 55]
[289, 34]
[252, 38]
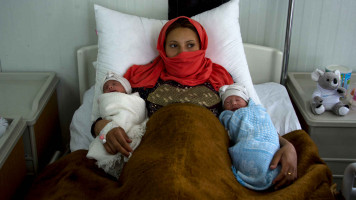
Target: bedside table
[12, 158]
[32, 96]
[334, 135]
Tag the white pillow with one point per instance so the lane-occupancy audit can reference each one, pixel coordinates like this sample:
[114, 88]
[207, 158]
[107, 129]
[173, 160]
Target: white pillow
[126, 39]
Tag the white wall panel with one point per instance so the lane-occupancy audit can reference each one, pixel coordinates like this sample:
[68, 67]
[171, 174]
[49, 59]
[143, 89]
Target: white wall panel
[323, 31]
[263, 22]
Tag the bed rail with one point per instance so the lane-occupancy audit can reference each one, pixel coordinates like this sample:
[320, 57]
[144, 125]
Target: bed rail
[348, 189]
[86, 71]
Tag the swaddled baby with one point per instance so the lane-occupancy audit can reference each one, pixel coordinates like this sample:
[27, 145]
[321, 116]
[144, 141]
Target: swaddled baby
[253, 137]
[123, 109]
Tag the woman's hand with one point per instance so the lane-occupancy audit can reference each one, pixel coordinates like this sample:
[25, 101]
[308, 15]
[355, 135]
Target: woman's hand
[287, 157]
[116, 139]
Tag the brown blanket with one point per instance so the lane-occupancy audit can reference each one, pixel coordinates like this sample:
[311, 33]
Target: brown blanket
[183, 155]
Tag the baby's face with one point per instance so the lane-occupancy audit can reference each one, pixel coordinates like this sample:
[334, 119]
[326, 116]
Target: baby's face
[234, 102]
[113, 86]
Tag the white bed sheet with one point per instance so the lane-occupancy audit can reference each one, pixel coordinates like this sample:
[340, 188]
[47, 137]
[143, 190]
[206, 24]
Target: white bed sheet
[273, 96]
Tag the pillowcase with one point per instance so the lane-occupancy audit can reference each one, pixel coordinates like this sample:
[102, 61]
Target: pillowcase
[126, 39]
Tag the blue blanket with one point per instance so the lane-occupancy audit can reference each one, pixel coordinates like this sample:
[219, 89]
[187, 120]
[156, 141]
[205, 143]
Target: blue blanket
[254, 142]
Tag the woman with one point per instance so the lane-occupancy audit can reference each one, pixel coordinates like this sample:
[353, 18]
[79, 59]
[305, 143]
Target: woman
[182, 64]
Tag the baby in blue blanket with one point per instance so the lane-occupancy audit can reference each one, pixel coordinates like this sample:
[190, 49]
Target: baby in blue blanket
[253, 137]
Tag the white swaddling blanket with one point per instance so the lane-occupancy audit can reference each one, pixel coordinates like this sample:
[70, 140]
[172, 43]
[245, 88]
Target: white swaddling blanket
[127, 111]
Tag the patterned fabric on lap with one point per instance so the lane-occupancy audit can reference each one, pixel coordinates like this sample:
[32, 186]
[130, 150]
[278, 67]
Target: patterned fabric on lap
[168, 92]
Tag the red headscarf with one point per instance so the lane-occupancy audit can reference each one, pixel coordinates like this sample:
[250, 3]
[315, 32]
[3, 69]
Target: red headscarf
[187, 68]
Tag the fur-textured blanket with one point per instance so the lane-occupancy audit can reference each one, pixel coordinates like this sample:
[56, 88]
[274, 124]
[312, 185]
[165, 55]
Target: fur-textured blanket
[183, 155]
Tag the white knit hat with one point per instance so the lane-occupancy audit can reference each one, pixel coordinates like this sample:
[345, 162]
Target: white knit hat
[234, 89]
[124, 82]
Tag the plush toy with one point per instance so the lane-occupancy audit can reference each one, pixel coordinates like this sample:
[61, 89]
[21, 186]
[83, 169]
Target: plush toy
[328, 93]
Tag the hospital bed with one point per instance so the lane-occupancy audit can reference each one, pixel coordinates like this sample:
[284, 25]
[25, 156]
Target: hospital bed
[76, 177]
[264, 64]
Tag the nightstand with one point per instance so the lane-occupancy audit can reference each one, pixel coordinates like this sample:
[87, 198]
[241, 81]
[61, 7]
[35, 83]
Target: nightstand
[334, 135]
[12, 158]
[32, 96]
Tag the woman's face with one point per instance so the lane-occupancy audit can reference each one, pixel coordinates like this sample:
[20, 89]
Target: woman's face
[234, 102]
[181, 40]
